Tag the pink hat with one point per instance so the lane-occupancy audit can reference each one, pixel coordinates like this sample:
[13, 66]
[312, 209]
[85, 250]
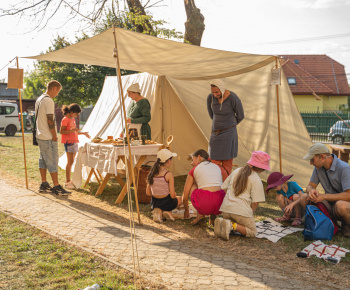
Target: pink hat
[260, 159]
[275, 179]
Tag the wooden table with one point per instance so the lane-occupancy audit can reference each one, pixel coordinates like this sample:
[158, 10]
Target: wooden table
[341, 151]
[102, 160]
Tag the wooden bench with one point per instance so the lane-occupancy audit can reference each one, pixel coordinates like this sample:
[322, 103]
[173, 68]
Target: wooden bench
[341, 151]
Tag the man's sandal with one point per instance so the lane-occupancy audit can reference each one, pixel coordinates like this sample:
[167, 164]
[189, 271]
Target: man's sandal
[283, 218]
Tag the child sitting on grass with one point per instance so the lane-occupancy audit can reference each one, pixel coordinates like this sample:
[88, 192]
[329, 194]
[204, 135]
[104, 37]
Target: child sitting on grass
[288, 196]
[161, 186]
[244, 192]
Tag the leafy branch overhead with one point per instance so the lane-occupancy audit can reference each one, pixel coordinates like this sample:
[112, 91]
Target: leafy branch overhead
[93, 12]
[83, 83]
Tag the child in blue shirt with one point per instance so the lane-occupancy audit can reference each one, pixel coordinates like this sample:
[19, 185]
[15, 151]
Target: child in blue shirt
[288, 196]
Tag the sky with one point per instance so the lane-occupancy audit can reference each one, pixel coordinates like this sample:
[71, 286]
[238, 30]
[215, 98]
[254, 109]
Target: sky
[273, 27]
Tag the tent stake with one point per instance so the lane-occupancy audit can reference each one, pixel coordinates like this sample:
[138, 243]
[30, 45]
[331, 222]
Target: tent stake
[24, 145]
[279, 122]
[116, 56]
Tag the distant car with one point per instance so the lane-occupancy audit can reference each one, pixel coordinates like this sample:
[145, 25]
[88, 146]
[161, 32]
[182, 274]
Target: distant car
[9, 120]
[339, 132]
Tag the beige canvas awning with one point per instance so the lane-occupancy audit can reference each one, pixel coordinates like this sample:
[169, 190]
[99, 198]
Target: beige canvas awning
[144, 53]
[178, 96]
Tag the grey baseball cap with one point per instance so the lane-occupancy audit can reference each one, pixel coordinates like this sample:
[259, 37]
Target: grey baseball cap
[317, 148]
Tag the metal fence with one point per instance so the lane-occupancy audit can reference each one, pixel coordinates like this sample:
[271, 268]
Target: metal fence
[327, 127]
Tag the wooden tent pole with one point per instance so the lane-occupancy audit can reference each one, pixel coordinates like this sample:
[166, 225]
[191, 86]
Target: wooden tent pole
[24, 145]
[116, 56]
[279, 122]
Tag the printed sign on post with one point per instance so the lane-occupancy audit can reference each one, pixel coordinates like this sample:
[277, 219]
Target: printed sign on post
[275, 77]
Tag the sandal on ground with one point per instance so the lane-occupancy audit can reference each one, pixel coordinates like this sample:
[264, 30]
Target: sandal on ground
[297, 221]
[283, 218]
[168, 216]
[69, 185]
[198, 219]
[157, 215]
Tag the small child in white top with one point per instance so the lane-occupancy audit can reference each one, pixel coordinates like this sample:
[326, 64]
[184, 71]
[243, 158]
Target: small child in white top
[244, 192]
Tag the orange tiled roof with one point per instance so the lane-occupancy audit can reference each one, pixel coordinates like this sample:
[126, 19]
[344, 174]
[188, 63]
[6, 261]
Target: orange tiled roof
[323, 74]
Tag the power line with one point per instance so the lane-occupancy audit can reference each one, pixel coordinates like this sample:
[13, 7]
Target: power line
[303, 39]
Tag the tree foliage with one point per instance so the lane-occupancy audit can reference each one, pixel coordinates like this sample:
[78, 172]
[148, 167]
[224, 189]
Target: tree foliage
[40, 12]
[83, 83]
[90, 12]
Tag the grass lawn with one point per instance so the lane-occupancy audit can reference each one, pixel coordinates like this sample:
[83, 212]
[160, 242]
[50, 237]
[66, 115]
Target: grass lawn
[31, 259]
[280, 255]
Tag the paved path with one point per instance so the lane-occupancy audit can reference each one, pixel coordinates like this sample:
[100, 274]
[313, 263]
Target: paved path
[164, 257]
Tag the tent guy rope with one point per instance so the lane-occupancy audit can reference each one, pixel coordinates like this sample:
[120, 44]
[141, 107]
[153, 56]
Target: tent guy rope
[131, 212]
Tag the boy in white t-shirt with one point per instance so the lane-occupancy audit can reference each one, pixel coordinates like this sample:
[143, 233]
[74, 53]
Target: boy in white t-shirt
[46, 136]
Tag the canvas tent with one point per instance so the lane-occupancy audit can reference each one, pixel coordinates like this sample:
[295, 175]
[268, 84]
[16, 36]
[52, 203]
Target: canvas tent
[177, 85]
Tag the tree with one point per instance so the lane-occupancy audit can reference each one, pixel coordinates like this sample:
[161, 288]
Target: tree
[130, 21]
[83, 83]
[194, 24]
[43, 11]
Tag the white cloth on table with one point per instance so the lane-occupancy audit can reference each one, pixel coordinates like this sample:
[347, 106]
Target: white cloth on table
[103, 157]
[273, 231]
[323, 251]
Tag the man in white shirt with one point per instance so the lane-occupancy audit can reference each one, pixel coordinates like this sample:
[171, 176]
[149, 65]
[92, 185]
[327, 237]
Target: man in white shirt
[46, 135]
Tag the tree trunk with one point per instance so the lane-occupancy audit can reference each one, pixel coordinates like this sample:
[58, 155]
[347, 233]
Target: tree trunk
[194, 26]
[136, 8]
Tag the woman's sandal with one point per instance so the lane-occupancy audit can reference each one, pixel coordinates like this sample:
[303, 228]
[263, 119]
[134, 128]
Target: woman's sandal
[297, 221]
[168, 216]
[157, 215]
[198, 219]
[283, 218]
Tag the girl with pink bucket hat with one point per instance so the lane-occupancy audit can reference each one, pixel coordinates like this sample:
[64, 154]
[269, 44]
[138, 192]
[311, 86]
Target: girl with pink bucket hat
[244, 192]
[288, 196]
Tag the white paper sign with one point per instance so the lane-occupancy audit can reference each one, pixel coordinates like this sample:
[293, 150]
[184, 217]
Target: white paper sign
[275, 76]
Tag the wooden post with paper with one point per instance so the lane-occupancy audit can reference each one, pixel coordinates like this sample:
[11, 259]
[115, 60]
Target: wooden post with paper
[15, 81]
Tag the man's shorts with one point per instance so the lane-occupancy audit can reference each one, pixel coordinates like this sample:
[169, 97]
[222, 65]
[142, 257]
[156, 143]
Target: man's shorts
[331, 209]
[71, 147]
[48, 158]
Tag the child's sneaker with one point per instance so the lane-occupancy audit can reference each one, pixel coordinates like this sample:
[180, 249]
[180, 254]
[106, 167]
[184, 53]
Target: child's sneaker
[69, 185]
[45, 187]
[226, 228]
[59, 190]
[217, 226]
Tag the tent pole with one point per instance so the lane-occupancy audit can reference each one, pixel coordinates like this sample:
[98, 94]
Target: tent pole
[116, 56]
[279, 122]
[24, 145]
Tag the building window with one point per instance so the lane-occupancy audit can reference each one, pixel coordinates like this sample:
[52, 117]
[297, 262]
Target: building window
[296, 61]
[292, 81]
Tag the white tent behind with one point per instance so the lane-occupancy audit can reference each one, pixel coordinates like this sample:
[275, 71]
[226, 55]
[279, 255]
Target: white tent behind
[178, 108]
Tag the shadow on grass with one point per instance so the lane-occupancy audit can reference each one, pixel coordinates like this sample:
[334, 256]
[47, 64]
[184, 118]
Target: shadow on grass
[269, 209]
